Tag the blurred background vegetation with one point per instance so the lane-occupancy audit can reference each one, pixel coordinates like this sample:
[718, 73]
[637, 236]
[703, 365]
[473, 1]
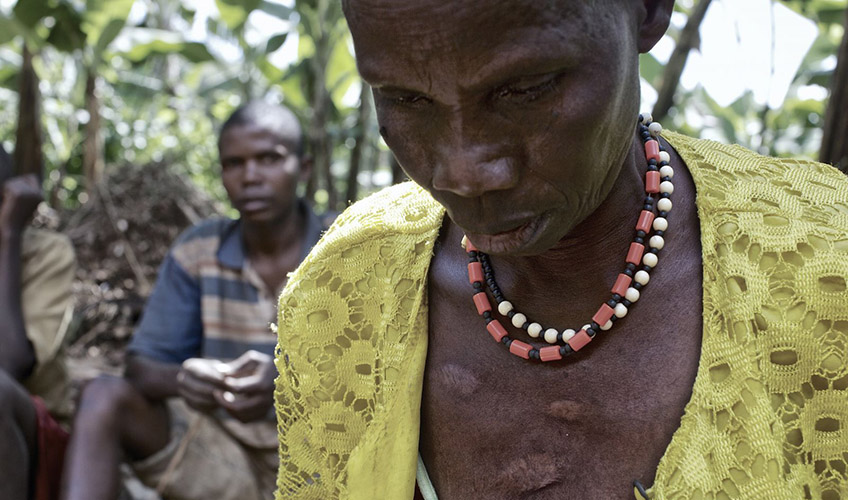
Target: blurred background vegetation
[87, 86]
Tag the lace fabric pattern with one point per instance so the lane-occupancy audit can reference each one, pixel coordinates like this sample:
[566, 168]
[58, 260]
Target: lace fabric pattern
[768, 416]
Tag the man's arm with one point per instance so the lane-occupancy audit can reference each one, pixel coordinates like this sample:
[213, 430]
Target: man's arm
[21, 195]
[156, 380]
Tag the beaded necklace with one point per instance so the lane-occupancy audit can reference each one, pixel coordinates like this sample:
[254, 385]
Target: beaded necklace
[627, 288]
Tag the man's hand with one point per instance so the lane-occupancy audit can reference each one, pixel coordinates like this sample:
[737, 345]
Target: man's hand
[21, 196]
[199, 379]
[248, 386]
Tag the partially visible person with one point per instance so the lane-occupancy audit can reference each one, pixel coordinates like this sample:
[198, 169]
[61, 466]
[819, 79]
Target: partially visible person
[36, 271]
[193, 412]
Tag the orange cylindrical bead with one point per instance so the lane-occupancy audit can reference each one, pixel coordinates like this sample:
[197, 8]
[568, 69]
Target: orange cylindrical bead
[621, 284]
[497, 330]
[469, 247]
[520, 349]
[652, 150]
[578, 341]
[634, 255]
[482, 303]
[603, 315]
[652, 182]
[475, 272]
[550, 353]
[646, 218]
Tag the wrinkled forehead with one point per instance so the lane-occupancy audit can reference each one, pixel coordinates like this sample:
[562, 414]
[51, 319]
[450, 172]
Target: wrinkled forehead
[425, 37]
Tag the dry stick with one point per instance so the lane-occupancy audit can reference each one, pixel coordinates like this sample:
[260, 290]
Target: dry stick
[144, 285]
[178, 456]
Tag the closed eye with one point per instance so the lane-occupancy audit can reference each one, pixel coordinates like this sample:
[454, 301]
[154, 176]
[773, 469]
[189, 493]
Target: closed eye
[530, 89]
[401, 97]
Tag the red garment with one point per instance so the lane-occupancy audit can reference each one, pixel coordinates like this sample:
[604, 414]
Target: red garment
[52, 441]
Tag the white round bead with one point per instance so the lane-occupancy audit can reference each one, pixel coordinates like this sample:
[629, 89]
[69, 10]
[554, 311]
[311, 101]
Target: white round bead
[464, 241]
[665, 157]
[642, 277]
[606, 326]
[568, 334]
[551, 335]
[518, 320]
[632, 294]
[534, 330]
[586, 327]
[666, 187]
[650, 259]
[620, 310]
[647, 118]
[505, 307]
[655, 128]
[660, 224]
[656, 242]
[666, 170]
[664, 205]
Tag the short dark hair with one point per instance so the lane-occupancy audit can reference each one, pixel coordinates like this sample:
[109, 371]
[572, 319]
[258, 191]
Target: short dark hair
[274, 117]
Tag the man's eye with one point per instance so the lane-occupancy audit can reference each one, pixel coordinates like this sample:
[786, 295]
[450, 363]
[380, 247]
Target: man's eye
[529, 91]
[411, 99]
[403, 98]
[269, 159]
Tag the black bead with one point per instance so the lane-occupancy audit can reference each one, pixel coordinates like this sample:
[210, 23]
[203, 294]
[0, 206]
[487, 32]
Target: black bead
[478, 286]
[487, 314]
[506, 341]
[612, 303]
[654, 251]
[559, 337]
[628, 272]
[652, 168]
[649, 199]
[511, 314]
[534, 354]
[663, 213]
[637, 286]
[647, 269]
[626, 303]
[631, 266]
[591, 332]
[666, 178]
[664, 195]
[639, 240]
[640, 234]
[563, 350]
[489, 319]
[659, 233]
[472, 253]
[472, 259]
[613, 318]
[594, 326]
[648, 207]
[616, 297]
[652, 162]
[525, 325]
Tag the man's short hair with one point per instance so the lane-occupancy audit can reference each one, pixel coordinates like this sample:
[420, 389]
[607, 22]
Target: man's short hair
[274, 117]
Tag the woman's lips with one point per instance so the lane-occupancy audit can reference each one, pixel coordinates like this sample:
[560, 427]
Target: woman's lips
[509, 240]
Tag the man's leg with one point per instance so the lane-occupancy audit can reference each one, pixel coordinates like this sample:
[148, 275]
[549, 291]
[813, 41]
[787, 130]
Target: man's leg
[114, 422]
[19, 437]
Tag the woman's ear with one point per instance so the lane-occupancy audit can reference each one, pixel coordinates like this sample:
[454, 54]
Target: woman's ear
[654, 18]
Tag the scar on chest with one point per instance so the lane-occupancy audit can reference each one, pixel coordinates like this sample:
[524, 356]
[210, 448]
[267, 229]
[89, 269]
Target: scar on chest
[569, 410]
[456, 379]
[530, 473]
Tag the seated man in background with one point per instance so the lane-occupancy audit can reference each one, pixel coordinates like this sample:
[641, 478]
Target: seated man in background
[36, 271]
[194, 423]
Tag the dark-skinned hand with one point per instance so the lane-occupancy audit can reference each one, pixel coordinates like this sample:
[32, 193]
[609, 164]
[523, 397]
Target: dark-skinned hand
[198, 380]
[21, 196]
[248, 392]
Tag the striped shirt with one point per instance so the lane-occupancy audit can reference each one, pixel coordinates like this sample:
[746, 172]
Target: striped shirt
[208, 301]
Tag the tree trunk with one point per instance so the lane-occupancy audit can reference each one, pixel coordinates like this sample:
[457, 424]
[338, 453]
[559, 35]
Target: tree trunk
[689, 39]
[92, 147]
[320, 139]
[363, 122]
[834, 148]
[29, 158]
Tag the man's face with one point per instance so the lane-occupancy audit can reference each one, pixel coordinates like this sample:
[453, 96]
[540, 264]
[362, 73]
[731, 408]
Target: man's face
[515, 115]
[260, 171]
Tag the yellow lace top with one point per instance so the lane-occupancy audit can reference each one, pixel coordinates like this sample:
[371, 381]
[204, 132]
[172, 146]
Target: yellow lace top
[768, 416]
